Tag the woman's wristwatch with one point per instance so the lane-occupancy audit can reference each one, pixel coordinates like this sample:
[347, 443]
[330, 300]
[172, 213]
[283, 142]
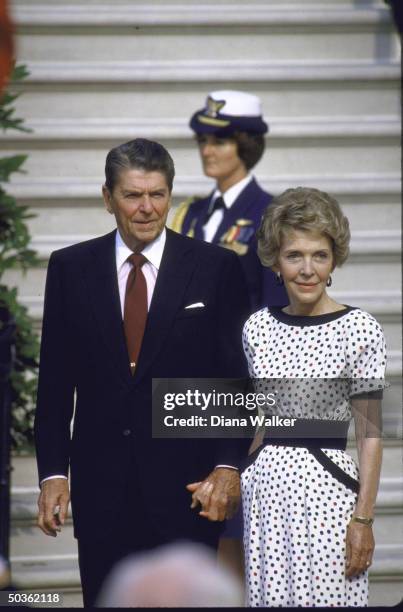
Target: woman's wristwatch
[362, 519]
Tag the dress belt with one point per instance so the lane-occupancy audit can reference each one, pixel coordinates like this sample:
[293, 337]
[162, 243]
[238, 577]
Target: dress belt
[315, 433]
[312, 434]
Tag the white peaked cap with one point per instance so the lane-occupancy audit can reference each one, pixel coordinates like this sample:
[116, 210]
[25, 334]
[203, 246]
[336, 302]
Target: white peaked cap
[238, 103]
[227, 111]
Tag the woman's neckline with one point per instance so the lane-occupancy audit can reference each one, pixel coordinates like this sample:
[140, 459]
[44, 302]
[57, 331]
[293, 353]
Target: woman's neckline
[308, 320]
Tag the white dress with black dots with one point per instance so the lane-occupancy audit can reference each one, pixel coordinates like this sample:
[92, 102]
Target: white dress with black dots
[296, 512]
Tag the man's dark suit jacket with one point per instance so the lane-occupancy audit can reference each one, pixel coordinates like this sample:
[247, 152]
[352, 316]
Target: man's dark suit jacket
[248, 207]
[83, 351]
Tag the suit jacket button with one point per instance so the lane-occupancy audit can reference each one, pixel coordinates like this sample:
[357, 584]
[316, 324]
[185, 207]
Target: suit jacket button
[127, 432]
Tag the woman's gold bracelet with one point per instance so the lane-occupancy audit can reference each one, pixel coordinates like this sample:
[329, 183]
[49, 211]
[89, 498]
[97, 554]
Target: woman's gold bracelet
[362, 519]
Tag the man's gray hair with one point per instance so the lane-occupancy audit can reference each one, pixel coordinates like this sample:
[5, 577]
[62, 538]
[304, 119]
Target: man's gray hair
[176, 575]
[141, 154]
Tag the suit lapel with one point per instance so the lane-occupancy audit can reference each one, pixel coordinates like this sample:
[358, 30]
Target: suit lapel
[240, 209]
[177, 267]
[102, 280]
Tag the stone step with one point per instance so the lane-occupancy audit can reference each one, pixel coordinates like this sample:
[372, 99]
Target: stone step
[131, 101]
[45, 571]
[174, 129]
[72, 598]
[27, 540]
[380, 155]
[224, 72]
[385, 592]
[304, 4]
[165, 14]
[157, 43]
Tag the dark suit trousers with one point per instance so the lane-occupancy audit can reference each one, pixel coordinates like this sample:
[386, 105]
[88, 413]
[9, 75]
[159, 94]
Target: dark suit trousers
[97, 556]
[133, 533]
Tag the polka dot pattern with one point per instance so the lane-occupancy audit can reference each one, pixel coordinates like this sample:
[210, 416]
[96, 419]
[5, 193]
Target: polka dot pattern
[295, 512]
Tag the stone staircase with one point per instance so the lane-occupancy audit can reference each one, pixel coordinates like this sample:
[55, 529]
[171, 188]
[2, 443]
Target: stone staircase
[328, 74]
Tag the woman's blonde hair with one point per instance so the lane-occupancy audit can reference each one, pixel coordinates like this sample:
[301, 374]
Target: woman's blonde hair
[303, 208]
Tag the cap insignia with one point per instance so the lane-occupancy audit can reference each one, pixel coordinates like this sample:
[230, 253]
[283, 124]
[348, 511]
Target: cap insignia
[214, 106]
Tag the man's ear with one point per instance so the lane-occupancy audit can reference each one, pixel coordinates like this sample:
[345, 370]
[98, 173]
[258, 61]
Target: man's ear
[107, 199]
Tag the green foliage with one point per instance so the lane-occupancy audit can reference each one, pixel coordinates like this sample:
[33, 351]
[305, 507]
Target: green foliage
[7, 119]
[16, 254]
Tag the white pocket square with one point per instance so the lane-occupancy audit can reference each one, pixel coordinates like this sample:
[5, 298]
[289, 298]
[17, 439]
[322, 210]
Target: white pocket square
[195, 305]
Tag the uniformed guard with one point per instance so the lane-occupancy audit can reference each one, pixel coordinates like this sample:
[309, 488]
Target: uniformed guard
[230, 134]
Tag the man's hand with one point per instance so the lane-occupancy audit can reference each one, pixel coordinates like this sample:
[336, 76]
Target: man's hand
[218, 494]
[360, 546]
[53, 503]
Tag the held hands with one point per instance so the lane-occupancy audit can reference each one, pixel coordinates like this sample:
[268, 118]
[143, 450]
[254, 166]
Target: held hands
[360, 546]
[53, 503]
[218, 494]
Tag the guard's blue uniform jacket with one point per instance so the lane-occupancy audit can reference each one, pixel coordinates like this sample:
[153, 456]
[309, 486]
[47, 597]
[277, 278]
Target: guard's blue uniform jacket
[237, 231]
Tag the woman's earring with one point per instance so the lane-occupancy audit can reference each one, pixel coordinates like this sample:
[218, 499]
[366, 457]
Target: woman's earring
[279, 279]
[329, 282]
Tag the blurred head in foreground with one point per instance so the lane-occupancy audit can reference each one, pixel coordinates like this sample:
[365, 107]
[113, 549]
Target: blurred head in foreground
[177, 575]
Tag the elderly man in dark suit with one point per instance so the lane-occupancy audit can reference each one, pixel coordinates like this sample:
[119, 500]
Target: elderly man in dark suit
[139, 303]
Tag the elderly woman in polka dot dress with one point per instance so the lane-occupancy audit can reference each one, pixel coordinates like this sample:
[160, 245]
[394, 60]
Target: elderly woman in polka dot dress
[308, 508]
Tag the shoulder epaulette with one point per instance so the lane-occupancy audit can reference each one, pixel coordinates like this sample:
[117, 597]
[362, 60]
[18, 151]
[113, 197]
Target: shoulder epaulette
[180, 214]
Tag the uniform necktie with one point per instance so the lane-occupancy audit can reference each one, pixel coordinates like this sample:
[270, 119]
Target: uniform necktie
[218, 205]
[135, 311]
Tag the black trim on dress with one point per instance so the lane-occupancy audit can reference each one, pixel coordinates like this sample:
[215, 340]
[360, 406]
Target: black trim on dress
[308, 321]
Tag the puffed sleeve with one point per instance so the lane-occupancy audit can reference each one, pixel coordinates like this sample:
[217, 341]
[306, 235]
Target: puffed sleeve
[367, 365]
[366, 356]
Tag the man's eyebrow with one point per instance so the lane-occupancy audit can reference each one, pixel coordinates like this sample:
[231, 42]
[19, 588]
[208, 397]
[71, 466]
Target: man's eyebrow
[139, 190]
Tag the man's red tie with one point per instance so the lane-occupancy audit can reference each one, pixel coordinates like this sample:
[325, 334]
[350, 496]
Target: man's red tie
[135, 313]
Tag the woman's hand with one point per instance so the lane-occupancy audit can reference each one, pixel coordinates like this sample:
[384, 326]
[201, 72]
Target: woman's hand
[360, 545]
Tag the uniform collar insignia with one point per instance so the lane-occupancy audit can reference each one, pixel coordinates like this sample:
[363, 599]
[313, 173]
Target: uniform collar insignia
[243, 222]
